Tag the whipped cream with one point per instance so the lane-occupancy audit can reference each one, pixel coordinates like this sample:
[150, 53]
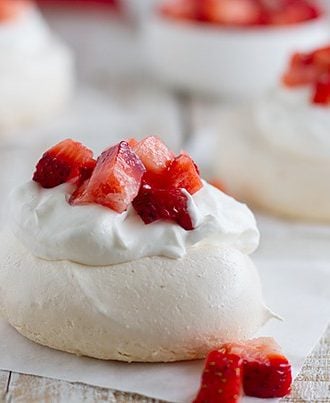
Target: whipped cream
[287, 120]
[52, 229]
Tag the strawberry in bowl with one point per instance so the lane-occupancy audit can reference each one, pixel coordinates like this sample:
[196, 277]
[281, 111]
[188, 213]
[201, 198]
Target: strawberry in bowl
[230, 48]
[122, 256]
[246, 13]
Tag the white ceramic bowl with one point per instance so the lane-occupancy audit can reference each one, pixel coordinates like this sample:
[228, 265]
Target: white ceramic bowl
[230, 62]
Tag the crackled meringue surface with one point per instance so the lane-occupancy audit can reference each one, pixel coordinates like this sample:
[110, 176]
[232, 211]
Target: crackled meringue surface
[52, 229]
[152, 309]
[36, 71]
[275, 154]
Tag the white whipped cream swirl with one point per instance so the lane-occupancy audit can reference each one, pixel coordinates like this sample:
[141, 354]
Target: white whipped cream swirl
[94, 235]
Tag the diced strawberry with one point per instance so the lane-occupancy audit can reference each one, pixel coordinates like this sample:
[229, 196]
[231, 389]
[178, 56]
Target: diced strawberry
[266, 372]
[181, 9]
[221, 379]
[68, 161]
[154, 154]
[286, 12]
[167, 204]
[301, 70]
[115, 181]
[322, 90]
[321, 59]
[307, 68]
[132, 142]
[183, 173]
[232, 12]
[10, 9]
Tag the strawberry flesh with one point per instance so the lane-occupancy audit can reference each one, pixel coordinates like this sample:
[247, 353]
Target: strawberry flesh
[257, 366]
[266, 371]
[10, 9]
[242, 12]
[115, 181]
[321, 59]
[321, 94]
[181, 9]
[161, 195]
[154, 204]
[287, 12]
[306, 68]
[184, 173]
[154, 154]
[221, 379]
[68, 161]
[232, 12]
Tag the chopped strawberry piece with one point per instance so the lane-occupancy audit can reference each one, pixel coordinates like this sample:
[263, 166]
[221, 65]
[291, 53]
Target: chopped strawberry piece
[68, 161]
[242, 12]
[301, 70]
[181, 9]
[132, 142]
[184, 173]
[10, 9]
[115, 181]
[167, 204]
[232, 12]
[221, 379]
[322, 90]
[154, 154]
[266, 372]
[321, 59]
[286, 12]
[310, 68]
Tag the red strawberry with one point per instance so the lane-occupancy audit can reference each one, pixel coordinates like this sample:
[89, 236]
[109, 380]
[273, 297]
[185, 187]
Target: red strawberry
[184, 173]
[321, 59]
[68, 161]
[115, 181]
[221, 379]
[266, 372]
[10, 9]
[232, 12]
[181, 9]
[307, 68]
[301, 70]
[168, 204]
[132, 142]
[322, 90]
[285, 12]
[154, 154]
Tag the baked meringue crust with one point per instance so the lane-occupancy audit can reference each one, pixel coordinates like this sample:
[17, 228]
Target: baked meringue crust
[281, 180]
[153, 309]
[36, 72]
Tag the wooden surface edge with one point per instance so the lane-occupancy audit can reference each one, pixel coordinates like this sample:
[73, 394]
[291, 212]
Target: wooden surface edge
[312, 385]
[4, 383]
[21, 388]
